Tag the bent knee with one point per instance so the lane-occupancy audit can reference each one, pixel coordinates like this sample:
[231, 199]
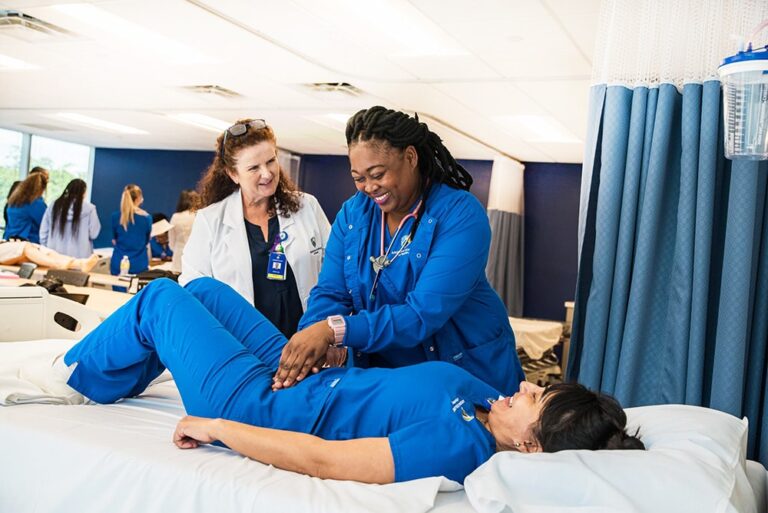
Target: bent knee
[203, 283]
[161, 284]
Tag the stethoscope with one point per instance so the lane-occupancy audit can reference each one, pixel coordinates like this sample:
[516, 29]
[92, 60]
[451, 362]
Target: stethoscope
[383, 261]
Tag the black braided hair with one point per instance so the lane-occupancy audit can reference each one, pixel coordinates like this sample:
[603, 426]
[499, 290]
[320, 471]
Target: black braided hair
[400, 130]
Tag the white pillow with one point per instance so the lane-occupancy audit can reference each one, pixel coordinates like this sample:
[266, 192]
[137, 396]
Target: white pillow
[694, 462]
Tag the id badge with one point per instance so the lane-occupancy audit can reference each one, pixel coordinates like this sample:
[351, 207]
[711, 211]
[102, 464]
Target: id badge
[277, 266]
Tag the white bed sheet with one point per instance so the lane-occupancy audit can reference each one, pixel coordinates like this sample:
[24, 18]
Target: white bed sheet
[535, 337]
[120, 458]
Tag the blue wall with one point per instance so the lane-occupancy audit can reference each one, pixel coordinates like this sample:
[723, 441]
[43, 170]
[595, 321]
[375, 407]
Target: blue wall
[161, 174]
[327, 178]
[551, 238]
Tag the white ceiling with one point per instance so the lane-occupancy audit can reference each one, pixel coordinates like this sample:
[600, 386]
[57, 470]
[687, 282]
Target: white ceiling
[468, 68]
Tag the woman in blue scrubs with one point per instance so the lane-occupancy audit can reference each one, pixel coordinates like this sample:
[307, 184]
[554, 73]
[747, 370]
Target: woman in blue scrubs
[26, 208]
[131, 228]
[403, 280]
[370, 425]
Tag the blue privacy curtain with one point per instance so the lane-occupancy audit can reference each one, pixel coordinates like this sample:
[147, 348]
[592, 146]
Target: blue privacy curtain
[672, 294]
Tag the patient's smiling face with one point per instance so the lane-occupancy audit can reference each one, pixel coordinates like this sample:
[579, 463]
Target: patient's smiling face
[512, 419]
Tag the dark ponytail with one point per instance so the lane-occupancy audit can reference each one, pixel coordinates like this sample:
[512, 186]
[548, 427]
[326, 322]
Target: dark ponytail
[436, 164]
[574, 417]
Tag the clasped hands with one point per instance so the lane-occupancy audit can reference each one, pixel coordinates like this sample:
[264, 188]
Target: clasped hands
[309, 350]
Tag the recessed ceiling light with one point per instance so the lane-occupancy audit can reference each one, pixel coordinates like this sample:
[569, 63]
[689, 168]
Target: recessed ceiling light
[533, 128]
[99, 124]
[201, 121]
[11, 64]
[334, 120]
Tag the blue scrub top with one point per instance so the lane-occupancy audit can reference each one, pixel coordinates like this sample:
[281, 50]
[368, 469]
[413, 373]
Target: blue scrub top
[158, 250]
[433, 433]
[24, 221]
[132, 242]
[433, 302]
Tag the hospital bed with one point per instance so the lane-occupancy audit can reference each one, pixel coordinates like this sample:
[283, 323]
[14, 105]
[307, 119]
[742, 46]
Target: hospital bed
[101, 301]
[120, 458]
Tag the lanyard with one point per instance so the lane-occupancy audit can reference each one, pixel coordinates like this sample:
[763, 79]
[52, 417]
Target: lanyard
[383, 260]
[277, 246]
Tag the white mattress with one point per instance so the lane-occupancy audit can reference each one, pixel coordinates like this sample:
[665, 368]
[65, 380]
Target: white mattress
[120, 458]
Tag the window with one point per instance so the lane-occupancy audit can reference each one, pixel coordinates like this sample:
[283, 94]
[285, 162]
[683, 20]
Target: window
[64, 160]
[10, 163]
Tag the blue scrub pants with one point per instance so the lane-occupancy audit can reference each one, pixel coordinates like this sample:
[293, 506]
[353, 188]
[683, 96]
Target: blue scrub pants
[221, 351]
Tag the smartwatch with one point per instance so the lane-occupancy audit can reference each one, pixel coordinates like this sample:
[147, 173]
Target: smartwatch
[339, 327]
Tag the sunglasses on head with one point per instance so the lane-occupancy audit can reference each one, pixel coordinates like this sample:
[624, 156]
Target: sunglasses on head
[239, 129]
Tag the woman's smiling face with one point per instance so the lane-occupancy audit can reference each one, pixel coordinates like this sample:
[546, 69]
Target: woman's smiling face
[256, 171]
[512, 419]
[388, 175]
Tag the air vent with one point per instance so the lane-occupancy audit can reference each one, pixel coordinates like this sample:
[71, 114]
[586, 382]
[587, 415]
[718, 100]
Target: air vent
[45, 126]
[213, 90]
[21, 26]
[335, 88]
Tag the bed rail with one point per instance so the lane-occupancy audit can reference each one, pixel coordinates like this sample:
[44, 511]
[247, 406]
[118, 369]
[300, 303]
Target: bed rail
[27, 313]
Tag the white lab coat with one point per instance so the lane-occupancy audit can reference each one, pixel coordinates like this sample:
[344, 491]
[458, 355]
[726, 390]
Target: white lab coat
[218, 245]
[179, 235]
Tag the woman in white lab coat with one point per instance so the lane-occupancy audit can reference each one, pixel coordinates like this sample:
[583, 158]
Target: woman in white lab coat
[258, 233]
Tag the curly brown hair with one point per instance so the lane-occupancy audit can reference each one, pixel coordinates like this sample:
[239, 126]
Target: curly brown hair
[216, 184]
[29, 190]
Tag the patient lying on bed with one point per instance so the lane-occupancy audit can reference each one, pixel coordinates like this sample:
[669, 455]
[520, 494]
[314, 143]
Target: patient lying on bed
[16, 252]
[369, 425]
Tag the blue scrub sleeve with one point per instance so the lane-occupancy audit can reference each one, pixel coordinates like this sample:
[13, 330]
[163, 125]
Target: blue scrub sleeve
[454, 266]
[37, 210]
[148, 229]
[430, 448]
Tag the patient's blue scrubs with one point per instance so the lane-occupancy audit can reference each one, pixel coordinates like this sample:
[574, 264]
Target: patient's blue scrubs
[223, 354]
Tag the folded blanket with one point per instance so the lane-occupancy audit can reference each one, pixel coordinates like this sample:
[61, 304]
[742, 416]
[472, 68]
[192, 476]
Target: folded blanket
[34, 372]
[28, 375]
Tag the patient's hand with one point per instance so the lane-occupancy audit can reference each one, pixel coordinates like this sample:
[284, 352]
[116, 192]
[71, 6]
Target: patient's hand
[193, 431]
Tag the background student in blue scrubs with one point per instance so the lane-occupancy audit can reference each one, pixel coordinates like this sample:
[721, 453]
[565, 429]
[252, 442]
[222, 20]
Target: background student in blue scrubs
[158, 245]
[26, 208]
[131, 228]
[370, 425]
[403, 279]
